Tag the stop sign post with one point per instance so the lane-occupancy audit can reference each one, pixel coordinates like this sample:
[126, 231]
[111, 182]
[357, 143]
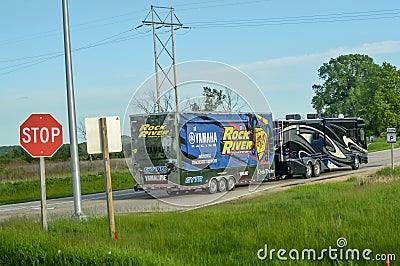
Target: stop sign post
[41, 136]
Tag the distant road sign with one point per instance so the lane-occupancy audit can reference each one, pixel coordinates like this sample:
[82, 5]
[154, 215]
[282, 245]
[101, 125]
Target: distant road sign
[41, 135]
[391, 135]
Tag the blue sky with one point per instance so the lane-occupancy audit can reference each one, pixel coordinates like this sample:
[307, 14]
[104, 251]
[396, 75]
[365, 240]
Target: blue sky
[279, 44]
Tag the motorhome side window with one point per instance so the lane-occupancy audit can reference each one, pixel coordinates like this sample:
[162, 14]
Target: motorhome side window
[351, 133]
[362, 135]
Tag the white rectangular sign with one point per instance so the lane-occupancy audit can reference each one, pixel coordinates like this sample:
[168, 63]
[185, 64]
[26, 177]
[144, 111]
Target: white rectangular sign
[93, 134]
[391, 135]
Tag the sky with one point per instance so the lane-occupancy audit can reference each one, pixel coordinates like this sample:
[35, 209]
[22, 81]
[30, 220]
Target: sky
[279, 44]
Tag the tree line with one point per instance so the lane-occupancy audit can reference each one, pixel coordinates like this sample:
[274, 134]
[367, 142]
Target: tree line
[354, 85]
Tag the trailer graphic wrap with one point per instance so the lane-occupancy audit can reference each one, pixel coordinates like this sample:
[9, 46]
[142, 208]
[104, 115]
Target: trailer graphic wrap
[216, 141]
[152, 145]
[150, 131]
[188, 150]
[236, 141]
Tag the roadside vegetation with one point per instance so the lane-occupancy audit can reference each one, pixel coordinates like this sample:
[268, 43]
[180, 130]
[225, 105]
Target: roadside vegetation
[313, 216]
[20, 182]
[19, 179]
[380, 144]
[29, 190]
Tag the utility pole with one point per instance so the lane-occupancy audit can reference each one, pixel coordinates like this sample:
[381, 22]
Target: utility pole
[167, 50]
[76, 183]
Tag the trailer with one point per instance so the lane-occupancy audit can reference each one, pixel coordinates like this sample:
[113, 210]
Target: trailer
[201, 151]
[311, 146]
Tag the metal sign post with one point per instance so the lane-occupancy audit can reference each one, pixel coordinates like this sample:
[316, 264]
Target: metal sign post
[391, 138]
[43, 203]
[41, 136]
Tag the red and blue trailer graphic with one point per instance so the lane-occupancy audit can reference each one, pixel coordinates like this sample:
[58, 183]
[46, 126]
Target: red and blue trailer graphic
[212, 151]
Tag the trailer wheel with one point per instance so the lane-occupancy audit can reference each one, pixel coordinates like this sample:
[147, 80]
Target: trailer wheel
[317, 169]
[231, 183]
[356, 164]
[213, 188]
[308, 172]
[222, 185]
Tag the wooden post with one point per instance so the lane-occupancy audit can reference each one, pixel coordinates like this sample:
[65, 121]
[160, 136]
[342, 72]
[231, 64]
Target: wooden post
[43, 204]
[107, 175]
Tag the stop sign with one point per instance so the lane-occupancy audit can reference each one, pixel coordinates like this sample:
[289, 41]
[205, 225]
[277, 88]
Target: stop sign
[41, 135]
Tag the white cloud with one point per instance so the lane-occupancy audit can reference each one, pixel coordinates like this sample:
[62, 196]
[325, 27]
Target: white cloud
[371, 49]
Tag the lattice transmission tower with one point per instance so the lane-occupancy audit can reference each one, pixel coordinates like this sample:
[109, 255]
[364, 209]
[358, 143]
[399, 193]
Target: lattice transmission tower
[167, 47]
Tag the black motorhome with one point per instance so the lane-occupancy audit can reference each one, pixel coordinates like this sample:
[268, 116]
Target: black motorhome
[310, 146]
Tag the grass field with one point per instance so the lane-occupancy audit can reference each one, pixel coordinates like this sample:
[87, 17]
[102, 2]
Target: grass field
[15, 170]
[29, 190]
[380, 144]
[363, 211]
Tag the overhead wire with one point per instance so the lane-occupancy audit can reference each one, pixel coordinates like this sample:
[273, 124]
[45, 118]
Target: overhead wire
[290, 20]
[335, 17]
[37, 59]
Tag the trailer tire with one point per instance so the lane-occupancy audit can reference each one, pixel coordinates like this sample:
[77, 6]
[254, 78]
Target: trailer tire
[231, 183]
[317, 169]
[309, 169]
[213, 187]
[222, 185]
[356, 164]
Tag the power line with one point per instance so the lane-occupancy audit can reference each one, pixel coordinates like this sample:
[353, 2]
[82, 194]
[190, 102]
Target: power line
[37, 59]
[335, 17]
[77, 27]
[25, 62]
[217, 5]
[120, 18]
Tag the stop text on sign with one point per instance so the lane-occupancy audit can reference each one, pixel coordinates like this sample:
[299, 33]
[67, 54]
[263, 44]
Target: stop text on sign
[43, 135]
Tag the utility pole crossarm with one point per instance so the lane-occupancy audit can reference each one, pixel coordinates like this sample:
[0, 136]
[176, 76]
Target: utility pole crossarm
[147, 23]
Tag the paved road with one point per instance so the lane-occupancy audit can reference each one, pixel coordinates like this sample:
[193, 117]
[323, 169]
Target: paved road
[129, 201]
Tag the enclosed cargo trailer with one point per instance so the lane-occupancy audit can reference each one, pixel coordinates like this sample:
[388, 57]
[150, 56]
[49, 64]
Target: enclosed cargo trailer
[207, 151]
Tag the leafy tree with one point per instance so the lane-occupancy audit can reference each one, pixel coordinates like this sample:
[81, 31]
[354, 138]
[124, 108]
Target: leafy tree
[386, 101]
[214, 98]
[347, 87]
[355, 86]
[18, 153]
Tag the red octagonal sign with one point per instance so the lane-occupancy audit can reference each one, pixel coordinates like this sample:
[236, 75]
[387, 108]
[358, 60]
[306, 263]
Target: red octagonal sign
[41, 135]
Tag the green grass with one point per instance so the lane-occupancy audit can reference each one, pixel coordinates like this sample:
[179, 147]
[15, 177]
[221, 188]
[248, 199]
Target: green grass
[380, 144]
[304, 217]
[29, 190]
